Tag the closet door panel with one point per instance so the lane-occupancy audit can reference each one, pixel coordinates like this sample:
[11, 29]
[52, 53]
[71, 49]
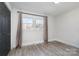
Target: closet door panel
[4, 29]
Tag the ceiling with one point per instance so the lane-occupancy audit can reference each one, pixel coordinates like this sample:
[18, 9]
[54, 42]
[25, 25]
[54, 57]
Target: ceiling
[45, 7]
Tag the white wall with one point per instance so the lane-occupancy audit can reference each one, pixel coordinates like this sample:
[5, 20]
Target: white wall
[14, 22]
[51, 28]
[67, 27]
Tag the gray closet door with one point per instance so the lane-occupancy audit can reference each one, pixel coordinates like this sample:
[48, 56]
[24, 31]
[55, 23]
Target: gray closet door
[4, 29]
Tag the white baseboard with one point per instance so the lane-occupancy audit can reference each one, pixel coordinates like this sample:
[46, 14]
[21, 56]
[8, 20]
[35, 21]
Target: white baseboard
[65, 42]
[50, 40]
[32, 43]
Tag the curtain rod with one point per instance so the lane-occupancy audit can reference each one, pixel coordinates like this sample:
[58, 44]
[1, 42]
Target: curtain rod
[30, 14]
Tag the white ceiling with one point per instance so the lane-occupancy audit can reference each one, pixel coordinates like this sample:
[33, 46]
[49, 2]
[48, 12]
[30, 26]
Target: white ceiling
[45, 7]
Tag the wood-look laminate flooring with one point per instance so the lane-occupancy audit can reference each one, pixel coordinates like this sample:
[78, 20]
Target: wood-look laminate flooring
[51, 49]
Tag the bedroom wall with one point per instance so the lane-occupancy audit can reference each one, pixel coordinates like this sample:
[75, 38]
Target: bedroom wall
[63, 28]
[14, 22]
[67, 27]
[51, 28]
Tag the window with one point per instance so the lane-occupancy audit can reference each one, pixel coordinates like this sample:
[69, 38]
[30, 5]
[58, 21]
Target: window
[27, 23]
[30, 23]
[39, 23]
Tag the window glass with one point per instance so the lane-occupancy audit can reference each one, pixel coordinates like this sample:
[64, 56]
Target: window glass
[32, 23]
[27, 23]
